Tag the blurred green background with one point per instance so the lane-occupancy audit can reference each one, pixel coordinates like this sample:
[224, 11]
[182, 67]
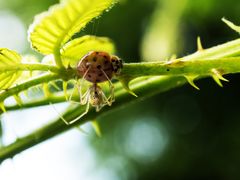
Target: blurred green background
[181, 134]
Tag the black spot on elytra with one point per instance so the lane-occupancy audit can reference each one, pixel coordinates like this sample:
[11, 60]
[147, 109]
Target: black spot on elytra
[99, 66]
[95, 59]
[89, 75]
[97, 52]
[100, 74]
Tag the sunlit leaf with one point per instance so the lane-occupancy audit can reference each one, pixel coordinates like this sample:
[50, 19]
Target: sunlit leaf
[28, 59]
[77, 48]
[8, 58]
[54, 28]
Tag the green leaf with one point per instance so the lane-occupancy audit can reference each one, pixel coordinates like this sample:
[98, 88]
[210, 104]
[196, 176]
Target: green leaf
[74, 50]
[52, 29]
[8, 58]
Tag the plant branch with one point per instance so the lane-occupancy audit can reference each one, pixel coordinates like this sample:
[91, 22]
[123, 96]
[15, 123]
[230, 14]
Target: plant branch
[178, 67]
[200, 63]
[181, 67]
[29, 67]
[58, 97]
[25, 85]
[57, 58]
[147, 88]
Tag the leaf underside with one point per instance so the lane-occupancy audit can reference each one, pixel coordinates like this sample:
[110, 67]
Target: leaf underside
[8, 58]
[74, 50]
[52, 29]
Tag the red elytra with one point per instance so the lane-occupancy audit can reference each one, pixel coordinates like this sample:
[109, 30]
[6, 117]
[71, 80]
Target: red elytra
[98, 67]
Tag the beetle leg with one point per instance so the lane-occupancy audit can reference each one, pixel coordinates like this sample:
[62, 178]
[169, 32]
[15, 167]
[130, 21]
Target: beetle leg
[82, 96]
[83, 114]
[111, 97]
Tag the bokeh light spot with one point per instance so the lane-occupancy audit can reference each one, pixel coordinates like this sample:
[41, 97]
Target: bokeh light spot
[146, 140]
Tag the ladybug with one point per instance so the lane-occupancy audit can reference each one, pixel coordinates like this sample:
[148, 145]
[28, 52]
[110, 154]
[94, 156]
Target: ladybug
[95, 67]
[98, 67]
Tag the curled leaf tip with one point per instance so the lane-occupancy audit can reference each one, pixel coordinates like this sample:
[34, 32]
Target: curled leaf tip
[190, 80]
[199, 44]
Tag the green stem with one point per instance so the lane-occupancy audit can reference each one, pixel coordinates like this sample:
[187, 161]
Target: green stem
[30, 67]
[57, 59]
[181, 67]
[228, 49]
[144, 89]
[25, 85]
[201, 67]
[59, 97]
[39, 102]
[221, 58]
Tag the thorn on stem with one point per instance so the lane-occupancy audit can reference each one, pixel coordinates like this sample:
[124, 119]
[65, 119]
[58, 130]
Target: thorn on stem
[65, 83]
[2, 107]
[190, 80]
[217, 76]
[46, 90]
[18, 99]
[97, 128]
[231, 25]
[125, 84]
[199, 44]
